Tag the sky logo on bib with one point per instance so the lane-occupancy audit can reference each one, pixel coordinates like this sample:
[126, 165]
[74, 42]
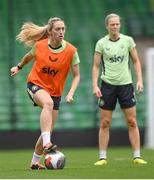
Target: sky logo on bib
[50, 71]
[116, 59]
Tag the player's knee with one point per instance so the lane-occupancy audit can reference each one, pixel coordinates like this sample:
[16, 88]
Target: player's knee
[132, 122]
[48, 105]
[105, 123]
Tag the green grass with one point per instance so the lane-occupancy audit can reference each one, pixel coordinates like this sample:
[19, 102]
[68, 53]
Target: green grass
[14, 164]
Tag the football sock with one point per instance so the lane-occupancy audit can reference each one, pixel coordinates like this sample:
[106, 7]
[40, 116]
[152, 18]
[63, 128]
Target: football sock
[102, 154]
[136, 153]
[36, 158]
[46, 138]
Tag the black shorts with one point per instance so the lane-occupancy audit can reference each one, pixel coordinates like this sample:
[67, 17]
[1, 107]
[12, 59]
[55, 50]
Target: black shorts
[111, 93]
[32, 89]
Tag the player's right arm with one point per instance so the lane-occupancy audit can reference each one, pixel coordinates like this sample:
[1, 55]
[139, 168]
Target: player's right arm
[95, 74]
[25, 60]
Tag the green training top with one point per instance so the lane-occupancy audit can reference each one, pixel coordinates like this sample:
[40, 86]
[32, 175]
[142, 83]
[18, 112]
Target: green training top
[116, 59]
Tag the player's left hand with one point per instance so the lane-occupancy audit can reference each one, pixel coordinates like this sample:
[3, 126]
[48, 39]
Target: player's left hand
[69, 99]
[139, 87]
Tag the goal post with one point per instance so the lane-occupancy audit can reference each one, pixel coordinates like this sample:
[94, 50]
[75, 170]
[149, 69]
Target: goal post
[149, 131]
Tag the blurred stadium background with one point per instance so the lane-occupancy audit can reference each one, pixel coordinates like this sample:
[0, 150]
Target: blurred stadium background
[78, 123]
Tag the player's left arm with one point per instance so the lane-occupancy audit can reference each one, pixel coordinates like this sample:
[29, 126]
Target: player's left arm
[138, 69]
[76, 78]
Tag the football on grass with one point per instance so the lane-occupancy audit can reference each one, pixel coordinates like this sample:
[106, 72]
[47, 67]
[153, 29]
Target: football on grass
[55, 160]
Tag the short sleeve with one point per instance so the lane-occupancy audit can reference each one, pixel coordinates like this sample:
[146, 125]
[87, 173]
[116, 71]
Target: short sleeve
[33, 50]
[98, 47]
[76, 59]
[131, 43]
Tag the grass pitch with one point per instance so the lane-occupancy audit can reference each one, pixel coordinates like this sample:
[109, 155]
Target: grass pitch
[79, 165]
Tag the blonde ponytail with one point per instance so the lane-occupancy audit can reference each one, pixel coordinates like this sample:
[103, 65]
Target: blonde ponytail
[30, 33]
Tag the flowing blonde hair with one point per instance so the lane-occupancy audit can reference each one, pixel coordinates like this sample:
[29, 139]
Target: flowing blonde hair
[30, 32]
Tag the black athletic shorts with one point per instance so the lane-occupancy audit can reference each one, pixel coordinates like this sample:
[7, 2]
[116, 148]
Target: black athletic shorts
[32, 89]
[111, 93]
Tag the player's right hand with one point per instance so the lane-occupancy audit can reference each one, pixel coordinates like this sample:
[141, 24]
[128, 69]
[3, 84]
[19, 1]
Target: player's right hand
[14, 70]
[97, 92]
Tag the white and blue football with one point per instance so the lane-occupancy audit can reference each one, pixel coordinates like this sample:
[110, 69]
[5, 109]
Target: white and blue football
[55, 160]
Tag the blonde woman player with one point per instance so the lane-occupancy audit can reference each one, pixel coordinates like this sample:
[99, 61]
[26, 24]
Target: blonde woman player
[53, 58]
[115, 50]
